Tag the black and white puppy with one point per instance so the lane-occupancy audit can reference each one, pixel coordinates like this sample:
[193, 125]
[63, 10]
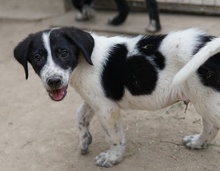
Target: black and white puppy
[143, 72]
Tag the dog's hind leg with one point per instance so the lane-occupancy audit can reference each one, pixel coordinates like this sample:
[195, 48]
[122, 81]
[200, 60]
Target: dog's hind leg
[84, 116]
[111, 122]
[199, 141]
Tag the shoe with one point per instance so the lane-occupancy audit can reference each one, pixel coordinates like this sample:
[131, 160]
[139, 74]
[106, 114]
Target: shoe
[81, 17]
[153, 27]
[88, 13]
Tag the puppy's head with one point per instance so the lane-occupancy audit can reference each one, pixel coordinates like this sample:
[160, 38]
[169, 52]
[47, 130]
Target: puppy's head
[53, 55]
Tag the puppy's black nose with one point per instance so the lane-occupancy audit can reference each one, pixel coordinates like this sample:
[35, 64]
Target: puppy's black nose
[54, 82]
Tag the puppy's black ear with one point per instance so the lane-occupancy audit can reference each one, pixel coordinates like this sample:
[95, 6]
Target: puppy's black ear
[21, 53]
[83, 40]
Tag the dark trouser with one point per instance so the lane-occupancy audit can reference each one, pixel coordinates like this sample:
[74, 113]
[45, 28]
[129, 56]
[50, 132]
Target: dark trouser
[123, 10]
[153, 10]
[122, 6]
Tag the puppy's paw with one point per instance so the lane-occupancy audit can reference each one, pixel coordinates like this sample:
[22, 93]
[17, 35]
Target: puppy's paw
[107, 159]
[194, 142]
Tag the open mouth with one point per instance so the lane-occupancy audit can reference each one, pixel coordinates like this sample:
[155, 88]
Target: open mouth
[58, 94]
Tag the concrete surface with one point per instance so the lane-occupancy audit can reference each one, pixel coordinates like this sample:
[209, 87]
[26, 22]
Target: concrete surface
[37, 134]
[30, 9]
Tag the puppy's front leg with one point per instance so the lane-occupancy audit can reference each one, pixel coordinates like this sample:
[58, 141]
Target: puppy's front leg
[111, 122]
[84, 116]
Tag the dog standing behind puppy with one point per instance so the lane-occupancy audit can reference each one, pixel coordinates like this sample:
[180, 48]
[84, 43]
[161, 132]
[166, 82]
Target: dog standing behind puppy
[111, 73]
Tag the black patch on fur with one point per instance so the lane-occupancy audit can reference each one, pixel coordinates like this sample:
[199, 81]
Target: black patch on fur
[209, 72]
[149, 46]
[37, 47]
[141, 77]
[59, 42]
[81, 39]
[136, 73]
[202, 39]
[113, 73]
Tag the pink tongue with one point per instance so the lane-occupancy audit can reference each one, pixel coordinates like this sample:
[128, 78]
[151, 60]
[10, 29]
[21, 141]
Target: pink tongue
[57, 95]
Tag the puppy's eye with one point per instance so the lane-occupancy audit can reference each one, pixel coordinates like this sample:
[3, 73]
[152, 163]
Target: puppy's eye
[64, 54]
[37, 57]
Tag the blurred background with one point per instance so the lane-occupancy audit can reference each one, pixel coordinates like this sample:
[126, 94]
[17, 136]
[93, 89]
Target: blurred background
[173, 14]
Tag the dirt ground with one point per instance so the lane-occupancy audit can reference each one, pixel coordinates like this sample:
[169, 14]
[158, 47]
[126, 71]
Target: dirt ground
[37, 134]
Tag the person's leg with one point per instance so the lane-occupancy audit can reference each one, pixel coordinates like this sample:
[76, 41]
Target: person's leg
[86, 11]
[77, 4]
[123, 10]
[152, 8]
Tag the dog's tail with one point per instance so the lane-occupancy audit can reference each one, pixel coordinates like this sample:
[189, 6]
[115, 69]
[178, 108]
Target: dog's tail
[210, 49]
